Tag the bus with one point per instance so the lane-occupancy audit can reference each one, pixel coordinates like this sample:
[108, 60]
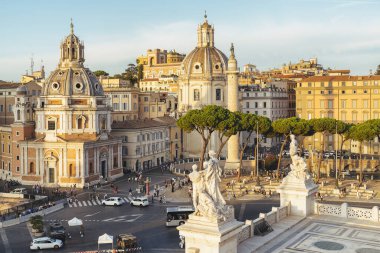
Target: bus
[176, 216]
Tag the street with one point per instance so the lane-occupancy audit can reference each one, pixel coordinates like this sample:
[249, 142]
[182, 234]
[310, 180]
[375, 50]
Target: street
[147, 223]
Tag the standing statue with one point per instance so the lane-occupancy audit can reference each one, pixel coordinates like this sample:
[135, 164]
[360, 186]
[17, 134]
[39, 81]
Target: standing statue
[298, 166]
[213, 176]
[207, 198]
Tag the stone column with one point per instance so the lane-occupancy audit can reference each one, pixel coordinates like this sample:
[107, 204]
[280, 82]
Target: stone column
[233, 160]
[77, 158]
[65, 162]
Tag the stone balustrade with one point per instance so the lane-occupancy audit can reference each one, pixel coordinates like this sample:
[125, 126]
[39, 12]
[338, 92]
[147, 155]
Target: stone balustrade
[346, 211]
[277, 214]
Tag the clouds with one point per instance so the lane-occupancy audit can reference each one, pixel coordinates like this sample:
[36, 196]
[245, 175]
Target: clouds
[342, 34]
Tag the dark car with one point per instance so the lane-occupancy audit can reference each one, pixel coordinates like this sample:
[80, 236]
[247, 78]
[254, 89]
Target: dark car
[57, 231]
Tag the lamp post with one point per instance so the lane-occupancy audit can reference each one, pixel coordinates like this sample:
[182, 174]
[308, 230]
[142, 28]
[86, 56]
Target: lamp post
[257, 154]
[336, 155]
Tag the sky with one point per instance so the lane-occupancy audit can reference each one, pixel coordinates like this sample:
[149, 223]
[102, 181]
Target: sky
[342, 34]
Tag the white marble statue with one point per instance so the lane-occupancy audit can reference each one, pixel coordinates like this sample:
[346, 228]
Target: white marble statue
[207, 198]
[298, 166]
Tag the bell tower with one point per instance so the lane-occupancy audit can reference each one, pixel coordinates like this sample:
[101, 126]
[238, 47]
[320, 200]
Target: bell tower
[72, 51]
[205, 34]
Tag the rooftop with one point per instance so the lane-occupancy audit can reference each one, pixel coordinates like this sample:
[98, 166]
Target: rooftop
[144, 123]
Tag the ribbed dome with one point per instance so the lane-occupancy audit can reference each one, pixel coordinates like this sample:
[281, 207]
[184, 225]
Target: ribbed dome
[72, 81]
[205, 60]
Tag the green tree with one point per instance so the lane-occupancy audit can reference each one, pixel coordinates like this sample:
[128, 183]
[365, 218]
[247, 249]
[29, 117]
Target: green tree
[131, 73]
[247, 124]
[226, 128]
[322, 126]
[100, 73]
[140, 72]
[204, 121]
[343, 130]
[361, 133]
[285, 127]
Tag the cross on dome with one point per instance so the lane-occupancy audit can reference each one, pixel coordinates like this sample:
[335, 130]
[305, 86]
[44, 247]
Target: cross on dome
[72, 26]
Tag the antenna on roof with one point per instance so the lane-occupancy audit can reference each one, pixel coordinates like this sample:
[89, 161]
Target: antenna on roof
[31, 65]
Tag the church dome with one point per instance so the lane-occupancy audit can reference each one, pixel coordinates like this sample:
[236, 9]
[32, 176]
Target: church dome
[72, 81]
[71, 77]
[205, 60]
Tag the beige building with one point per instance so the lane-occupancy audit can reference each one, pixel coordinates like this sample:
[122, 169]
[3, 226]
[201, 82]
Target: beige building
[154, 105]
[148, 142]
[160, 84]
[7, 99]
[352, 99]
[123, 97]
[68, 141]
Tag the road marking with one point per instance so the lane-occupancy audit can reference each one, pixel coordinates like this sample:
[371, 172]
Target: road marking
[242, 210]
[84, 203]
[99, 203]
[74, 204]
[94, 202]
[89, 202]
[4, 238]
[126, 200]
[70, 205]
[89, 215]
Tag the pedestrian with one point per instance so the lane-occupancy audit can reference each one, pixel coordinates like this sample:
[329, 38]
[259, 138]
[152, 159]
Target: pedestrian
[130, 191]
[152, 199]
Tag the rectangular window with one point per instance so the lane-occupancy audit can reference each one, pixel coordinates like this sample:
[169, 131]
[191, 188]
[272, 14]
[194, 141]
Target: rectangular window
[309, 104]
[343, 84]
[365, 83]
[51, 125]
[343, 116]
[264, 112]
[322, 84]
[344, 103]
[353, 83]
[309, 84]
[152, 108]
[256, 105]
[146, 99]
[308, 92]
[124, 106]
[365, 103]
[322, 104]
[330, 84]
[353, 103]
[365, 116]
[115, 106]
[330, 115]
[247, 94]
[218, 94]
[265, 104]
[376, 103]
[10, 108]
[322, 92]
[17, 158]
[354, 116]
[375, 115]
[196, 95]
[1, 108]
[146, 109]
[246, 104]
[159, 108]
[330, 104]
[330, 92]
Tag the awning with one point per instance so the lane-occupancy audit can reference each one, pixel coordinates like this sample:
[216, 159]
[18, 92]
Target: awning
[75, 222]
[104, 239]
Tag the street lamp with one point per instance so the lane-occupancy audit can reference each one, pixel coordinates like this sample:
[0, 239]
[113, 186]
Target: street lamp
[336, 155]
[257, 154]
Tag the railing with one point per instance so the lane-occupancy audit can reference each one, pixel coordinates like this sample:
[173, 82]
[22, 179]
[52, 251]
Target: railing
[277, 214]
[25, 218]
[345, 211]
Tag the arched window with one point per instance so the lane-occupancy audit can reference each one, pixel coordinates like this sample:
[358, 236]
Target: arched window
[31, 167]
[73, 53]
[18, 114]
[196, 95]
[103, 124]
[80, 123]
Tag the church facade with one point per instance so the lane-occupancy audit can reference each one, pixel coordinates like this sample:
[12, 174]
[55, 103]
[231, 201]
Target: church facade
[206, 79]
[69, 141]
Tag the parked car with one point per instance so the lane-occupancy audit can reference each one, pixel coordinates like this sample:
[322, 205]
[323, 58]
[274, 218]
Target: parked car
[140, 201]
[45, 243]
[57, 231]
[112, 201]
[19, 191]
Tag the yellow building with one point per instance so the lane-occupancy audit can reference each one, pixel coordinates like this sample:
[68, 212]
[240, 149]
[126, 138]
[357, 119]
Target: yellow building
[159, 62]
[352, 99]
[163, 83]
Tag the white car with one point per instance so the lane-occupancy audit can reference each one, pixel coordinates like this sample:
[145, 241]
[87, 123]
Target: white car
[45, 243]
[140, 201]
[19, 191]
[112, 201]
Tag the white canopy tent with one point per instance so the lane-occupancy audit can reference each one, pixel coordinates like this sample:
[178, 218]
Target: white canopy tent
[105, 239]
[75, 222]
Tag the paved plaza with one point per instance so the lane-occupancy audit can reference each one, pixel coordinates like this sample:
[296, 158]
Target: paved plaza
[327, 234]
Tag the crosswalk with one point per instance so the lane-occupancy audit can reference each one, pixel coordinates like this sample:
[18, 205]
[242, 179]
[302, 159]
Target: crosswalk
[94, 202]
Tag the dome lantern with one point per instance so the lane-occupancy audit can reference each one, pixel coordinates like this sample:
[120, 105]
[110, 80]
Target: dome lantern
[72, 51]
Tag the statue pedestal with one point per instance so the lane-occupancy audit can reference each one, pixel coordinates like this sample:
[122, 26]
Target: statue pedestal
[231, 165]
[299, 193]
[205, 235]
